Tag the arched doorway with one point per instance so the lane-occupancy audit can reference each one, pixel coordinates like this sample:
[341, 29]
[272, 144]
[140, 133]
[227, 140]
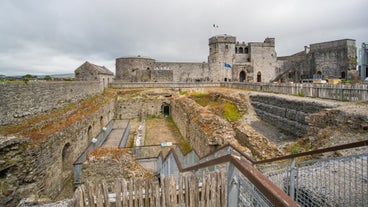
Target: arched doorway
[242, 76]
[165, 109]
[101, 122]
[259, 77]
[89, 132]
[343, 75]
[66, 157]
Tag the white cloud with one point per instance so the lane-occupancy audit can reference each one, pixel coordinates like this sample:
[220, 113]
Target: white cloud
[43, 36]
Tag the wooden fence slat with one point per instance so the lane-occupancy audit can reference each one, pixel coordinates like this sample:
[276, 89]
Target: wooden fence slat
[186, 182]
[131, 190]
[124, 193]
[193, 191]
[85, 196]
[223, 188]
[202, 202]
[169, 192]
[99, 196]
[139, 193]
[214, 189]
[180, 191]
[91, 193]
[152, 193]
[105, 194]
[157, 194]
[172, 190]
[208, 189]
[118, 193]
[147, 194]
[78, 198]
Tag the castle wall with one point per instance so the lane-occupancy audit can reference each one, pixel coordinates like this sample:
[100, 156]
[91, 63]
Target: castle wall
[330, 59]
[263, 59]
[140, 106]
[333, 58]
[42, 169]
[185, 72]
[134, 69]
[20, 100]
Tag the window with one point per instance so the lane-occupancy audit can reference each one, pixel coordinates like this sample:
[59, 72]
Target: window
[240, 50]
[259, 77]
[226, 46]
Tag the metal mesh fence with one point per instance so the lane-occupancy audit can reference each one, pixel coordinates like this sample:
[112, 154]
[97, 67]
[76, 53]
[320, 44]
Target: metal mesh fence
[341, 181]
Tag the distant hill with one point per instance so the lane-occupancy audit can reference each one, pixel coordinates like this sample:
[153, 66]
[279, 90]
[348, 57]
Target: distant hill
[66, 75]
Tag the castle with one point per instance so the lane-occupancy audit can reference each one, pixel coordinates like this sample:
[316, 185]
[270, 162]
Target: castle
[233, 61]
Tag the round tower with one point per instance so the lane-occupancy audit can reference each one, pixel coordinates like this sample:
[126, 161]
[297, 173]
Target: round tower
[220, 59]
[134, 69]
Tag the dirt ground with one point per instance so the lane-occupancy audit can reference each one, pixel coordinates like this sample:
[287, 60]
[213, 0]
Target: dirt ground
[161, 130]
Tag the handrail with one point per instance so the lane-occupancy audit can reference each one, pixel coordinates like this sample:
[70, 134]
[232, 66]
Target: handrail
[125, 131]
[317, 151]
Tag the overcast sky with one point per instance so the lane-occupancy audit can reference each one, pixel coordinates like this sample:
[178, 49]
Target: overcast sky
[57, 36]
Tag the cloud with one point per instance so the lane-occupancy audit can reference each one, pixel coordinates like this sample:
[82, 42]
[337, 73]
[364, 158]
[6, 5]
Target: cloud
[43, 36]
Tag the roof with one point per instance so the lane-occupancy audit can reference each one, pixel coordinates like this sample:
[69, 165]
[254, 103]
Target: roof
[100, 69]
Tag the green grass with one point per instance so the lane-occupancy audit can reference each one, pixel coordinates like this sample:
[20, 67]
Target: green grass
[184, 145]
[231, 112]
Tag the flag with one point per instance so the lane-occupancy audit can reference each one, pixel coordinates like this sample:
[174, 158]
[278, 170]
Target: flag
[227, 65]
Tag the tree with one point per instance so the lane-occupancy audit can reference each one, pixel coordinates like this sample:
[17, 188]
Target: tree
[48, 78]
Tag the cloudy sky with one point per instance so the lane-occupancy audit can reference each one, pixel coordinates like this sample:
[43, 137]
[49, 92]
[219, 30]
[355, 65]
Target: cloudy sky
[57, 36]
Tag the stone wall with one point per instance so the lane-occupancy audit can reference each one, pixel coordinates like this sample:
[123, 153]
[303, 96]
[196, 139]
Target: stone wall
[140, 105]
[129, 69]
[287, 113]
[263, 60]
[331, 60]
[203, 130]
[20, 100]
[42, 169]
[186, 72]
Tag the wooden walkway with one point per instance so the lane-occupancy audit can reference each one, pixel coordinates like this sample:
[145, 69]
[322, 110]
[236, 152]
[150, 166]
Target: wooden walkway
[114, 138]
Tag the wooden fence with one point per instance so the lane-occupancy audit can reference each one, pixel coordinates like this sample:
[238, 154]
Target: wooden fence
[185, 190]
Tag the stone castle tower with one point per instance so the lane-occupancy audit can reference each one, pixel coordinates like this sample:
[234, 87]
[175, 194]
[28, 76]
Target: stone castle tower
[222, 51]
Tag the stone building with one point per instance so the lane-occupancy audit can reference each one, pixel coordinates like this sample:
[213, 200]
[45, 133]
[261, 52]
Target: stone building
[91, 72]
[326, 60]
[230, 60]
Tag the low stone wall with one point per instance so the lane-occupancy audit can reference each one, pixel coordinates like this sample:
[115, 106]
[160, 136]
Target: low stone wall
[325, 91]
[287, 113]
[203, 130]
[119, 84]
[20, 100]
